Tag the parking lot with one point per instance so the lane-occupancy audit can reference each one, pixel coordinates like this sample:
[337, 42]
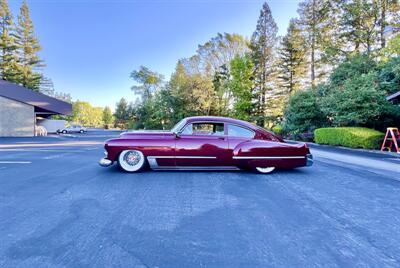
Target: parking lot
[59, 208]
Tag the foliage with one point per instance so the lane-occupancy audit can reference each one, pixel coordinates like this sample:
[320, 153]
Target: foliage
[108, 118]
[389, 75]
[262, 46]
[292, 59]
[28, 47]
[303, 113]
[8, 47]
[392, 49]
[358, 103]
[242, 85]
[278, 129]
[148, 82]
[122, 113]
[354, 137]
[83, 113]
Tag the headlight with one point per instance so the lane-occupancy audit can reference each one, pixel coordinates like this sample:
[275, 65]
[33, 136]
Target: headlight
[105, 153]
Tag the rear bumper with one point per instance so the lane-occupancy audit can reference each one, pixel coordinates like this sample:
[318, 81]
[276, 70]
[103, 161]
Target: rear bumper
[310, 160]
[105, 162]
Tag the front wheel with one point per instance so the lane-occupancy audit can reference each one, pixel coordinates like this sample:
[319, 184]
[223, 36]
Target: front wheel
[64, 131]
[131, 160]
[265, 170]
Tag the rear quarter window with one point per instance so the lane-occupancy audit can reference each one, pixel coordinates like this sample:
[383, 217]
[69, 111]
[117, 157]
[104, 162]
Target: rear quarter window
[236, 131]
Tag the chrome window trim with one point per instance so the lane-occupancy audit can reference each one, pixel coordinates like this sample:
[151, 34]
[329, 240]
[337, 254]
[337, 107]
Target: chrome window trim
[199, 122]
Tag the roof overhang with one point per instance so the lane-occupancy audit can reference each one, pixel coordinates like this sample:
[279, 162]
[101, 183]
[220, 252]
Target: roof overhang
[40, 101]
[393, 97]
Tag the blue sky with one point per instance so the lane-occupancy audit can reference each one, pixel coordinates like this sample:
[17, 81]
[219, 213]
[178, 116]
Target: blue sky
[90, 47]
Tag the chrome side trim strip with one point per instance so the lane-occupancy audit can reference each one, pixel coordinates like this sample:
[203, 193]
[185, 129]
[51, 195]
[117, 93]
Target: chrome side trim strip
[183, 157]
[195, 168]
[268, 157]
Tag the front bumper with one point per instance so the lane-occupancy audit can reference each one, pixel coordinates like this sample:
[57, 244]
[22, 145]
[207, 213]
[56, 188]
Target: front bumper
[105, 162]
[310, 160]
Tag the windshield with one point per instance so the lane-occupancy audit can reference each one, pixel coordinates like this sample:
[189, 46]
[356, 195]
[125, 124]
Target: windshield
[178, 126]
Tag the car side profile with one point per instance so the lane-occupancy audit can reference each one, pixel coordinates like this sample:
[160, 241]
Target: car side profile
[205, 143]
[72, 129]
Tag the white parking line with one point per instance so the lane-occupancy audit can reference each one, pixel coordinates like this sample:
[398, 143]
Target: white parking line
[15, 162]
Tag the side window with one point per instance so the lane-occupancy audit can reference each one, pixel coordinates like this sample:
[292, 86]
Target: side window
[204, 129]
[236, 131]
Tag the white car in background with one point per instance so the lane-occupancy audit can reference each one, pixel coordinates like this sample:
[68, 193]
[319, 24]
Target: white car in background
[72, 129]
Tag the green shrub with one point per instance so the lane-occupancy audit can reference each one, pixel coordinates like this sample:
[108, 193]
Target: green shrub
[278, 129]
[353, 137]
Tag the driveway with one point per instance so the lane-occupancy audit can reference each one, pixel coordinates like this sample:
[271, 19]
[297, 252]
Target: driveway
[58, 208]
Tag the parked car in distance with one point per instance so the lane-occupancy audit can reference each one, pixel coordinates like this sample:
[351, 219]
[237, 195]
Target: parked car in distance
[206, 143]
[72, 129]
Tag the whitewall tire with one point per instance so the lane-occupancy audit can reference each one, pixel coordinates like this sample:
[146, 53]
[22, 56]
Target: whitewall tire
[265, 170]
[131, 160]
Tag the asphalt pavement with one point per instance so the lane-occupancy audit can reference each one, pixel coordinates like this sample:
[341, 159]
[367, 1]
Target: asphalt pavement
[59, 208]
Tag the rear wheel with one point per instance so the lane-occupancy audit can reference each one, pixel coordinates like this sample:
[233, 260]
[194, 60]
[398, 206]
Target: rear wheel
[265, 170]
[131, 160]
[81, 131]
[64, 131]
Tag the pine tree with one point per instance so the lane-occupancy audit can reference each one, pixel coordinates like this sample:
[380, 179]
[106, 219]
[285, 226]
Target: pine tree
[28, 46]
[315, 21]
[359, 22]
[262, 46]
[292, 59]
[7, 43]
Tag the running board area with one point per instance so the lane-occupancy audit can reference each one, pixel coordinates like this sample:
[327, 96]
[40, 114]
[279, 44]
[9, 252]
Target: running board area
[154, 165]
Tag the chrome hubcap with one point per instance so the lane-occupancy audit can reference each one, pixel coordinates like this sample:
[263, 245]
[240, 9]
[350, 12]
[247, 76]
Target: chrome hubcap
[132, 158]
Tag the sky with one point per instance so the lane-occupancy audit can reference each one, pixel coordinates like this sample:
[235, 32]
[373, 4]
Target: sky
[90, 47]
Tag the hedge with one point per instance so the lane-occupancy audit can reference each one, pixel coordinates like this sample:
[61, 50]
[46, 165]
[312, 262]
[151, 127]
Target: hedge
[353, 137]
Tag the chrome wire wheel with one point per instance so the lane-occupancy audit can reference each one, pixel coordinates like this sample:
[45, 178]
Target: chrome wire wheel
[131, 160]
[265, 170]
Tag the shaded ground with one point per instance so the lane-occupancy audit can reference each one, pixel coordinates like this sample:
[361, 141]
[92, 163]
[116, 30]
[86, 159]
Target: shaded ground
[58, 208]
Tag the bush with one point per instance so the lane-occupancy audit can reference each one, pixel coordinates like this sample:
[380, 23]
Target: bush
[353, 137]
[303, 113]
[278, 129]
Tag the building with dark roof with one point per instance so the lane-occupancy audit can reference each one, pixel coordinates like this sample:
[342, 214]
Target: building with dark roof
[20, 107]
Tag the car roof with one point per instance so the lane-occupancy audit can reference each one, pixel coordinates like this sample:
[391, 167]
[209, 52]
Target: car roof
[222, 120]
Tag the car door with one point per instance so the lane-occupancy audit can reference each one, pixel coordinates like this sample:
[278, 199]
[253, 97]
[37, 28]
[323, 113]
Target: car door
[202, 144]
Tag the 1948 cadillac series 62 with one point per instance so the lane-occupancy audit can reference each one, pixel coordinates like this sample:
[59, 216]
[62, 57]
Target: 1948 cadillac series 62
[205, 143]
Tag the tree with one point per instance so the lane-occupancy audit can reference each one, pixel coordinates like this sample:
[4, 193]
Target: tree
[242, 86]
[28, 47]
[316, 20]
[359, 22]
[303, 113]
[148, 81]
[389, 15]
[8, 59]
[292, 59]
[262, 45]
[121, 113]
[358, 103]
[107, 116]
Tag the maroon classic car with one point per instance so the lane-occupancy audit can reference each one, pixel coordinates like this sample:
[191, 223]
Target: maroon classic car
[206, 143]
